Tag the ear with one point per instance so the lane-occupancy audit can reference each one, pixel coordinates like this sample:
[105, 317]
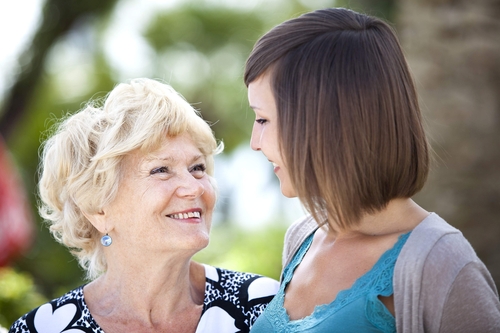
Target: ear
[99, 221]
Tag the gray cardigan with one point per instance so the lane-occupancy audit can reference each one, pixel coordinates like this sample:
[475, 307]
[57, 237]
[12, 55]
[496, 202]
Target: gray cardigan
[440, 285]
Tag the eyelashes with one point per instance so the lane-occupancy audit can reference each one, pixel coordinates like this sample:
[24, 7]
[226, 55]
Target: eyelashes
[162, 169]
[261, 121]
[201, 167]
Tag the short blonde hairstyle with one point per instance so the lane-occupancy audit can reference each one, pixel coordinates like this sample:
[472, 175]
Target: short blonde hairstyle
[80, 162]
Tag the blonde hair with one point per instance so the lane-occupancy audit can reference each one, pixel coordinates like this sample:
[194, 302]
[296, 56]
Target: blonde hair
[80, 162]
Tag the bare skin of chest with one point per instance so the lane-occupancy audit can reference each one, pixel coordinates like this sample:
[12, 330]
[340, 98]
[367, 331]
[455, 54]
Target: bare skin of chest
[331, 266]
[185, 322]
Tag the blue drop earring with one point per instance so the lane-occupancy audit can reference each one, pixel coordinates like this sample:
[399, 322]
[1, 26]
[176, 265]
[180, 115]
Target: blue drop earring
[106, 240]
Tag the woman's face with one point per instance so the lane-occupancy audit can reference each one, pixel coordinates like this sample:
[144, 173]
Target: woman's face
[265, 130]
[165, 199]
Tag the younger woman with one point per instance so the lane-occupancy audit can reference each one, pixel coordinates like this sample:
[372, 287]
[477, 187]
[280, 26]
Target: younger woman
[337, 115]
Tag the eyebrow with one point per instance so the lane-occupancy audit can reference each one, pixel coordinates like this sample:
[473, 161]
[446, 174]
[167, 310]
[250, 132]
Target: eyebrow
[172, 159]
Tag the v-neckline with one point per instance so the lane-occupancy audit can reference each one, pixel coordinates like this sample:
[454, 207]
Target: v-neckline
[344, 296]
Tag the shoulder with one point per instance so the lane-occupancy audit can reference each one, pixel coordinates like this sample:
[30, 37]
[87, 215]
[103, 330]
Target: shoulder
[435, 242]
[436, 262]
[295, 236]
[56, 315]
[301, 228]
[234, 300]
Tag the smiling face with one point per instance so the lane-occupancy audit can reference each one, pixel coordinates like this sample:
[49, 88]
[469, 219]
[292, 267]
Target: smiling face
[265, 130]
[165, 199]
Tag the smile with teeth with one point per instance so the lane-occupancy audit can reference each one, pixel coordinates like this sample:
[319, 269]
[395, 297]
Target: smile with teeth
[182, 216]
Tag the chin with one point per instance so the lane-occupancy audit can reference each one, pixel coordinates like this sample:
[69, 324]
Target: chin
[196, 241]
[202, 241]
[288, 192]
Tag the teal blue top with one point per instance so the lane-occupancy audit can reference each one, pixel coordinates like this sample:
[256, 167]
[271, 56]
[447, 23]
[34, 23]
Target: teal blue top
[357, 309]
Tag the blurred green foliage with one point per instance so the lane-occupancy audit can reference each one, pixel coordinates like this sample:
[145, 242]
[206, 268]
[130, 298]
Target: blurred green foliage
[207, 29]
[255, 251]
[385, 9]
[18, 295]
[215, 41]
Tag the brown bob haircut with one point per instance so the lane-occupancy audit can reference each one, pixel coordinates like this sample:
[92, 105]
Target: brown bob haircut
[349, 123]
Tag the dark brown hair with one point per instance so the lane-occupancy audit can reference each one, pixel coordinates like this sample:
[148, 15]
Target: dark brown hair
[348, 116]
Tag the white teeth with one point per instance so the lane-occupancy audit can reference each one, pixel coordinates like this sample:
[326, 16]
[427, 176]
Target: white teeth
[275, 165]
[182, 216]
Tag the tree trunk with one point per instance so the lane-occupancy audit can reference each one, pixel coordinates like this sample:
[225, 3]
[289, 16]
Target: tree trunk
[58, 17]
[453, 48]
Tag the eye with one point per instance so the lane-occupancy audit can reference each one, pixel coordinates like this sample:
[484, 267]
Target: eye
[198, 170]
[261, 121]
[162, 169]
[199, 167]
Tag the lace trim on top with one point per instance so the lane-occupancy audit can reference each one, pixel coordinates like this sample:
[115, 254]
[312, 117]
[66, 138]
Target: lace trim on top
[377, 281]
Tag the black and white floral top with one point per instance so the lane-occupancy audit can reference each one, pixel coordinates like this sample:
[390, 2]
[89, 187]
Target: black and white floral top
[233, 301]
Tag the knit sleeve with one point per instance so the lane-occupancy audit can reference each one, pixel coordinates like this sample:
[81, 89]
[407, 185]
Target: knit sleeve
[440, 285]
[472, 304]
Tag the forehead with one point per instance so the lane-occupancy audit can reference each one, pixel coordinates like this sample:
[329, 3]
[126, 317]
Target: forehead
[260, 94]
[179, 145]
[171, 149]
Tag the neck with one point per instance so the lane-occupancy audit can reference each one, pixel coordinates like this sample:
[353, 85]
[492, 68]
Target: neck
[147, 291]
[400, 216]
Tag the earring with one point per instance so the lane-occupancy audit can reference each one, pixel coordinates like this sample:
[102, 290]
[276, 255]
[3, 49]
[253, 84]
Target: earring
[106, 240]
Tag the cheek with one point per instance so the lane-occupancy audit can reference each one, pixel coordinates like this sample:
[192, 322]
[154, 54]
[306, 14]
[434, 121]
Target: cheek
[269, 140]
[209, 196]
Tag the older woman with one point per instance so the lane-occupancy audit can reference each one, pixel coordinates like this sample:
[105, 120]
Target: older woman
[128, 189]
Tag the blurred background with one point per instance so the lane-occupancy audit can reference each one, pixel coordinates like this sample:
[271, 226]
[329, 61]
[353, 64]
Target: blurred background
[57, 54]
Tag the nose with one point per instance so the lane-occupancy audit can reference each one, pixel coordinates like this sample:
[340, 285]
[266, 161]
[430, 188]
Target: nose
[255, 138]
[190, 187]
